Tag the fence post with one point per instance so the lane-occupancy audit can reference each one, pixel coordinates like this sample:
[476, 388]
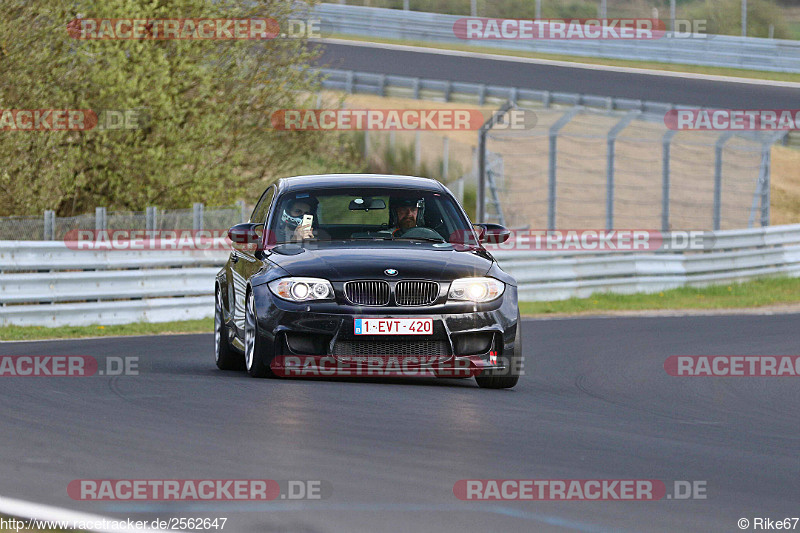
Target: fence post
[459, 189]
[480, 213]
[349, 82]
[417, 152]
[49, 225]
[366, 146]
[766, 159]
[150, 218]
[445, 158]
[665, 187]
[100, 219]
[197, 216]
[416, 88]
[242, 210]
[718, 147]
[611, 139]
[672, 16]
[551, 165]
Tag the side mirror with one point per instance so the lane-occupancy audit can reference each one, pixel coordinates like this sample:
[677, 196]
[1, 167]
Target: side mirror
[246, 236]
[492, 233]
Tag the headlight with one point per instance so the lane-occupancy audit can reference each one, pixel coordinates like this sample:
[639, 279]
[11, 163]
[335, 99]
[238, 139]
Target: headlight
[301, 289]
[476, 289]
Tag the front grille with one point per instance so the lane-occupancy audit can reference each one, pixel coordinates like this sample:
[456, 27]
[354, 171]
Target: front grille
[416, 292]
[346, 349]
[367, 292]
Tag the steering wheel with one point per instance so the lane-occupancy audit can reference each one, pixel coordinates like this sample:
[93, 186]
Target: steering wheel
[422, 233]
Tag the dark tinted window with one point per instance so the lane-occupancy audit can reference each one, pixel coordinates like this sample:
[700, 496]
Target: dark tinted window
[262, 208]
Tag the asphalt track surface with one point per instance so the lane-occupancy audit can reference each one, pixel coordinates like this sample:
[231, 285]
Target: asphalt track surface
[596, 403]
[572, 79]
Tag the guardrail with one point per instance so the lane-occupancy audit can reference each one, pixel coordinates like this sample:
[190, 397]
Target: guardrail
[776, 55]
[736, 255]
[48, 284]
[455, 91]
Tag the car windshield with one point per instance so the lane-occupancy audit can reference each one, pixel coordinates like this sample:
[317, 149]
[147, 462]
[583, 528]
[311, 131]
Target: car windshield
[378, 214]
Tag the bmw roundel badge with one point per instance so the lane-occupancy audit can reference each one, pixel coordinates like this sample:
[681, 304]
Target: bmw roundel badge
[390, 272]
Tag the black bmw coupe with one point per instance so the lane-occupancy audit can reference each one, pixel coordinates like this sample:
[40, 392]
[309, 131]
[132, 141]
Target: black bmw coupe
[335, 272]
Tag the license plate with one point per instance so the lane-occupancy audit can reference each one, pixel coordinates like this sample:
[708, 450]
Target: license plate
[394, 326]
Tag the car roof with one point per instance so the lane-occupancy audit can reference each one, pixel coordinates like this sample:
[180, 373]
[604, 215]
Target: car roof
[321, 181]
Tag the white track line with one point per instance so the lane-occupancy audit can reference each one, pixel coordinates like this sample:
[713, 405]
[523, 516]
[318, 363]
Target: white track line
[37, 511]
[570, 64]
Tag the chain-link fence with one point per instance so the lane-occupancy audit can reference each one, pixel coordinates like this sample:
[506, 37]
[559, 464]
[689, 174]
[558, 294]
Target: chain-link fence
[447, 158]
[583, 168]
[50, 227]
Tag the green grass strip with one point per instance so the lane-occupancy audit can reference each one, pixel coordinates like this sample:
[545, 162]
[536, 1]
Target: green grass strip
[756, 293]
[23, 333]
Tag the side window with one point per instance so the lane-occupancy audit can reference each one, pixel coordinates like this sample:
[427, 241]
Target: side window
[259, 215]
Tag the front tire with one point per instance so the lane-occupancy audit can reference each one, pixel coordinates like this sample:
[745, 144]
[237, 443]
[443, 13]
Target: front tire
[510, 376]
[225, 357]
[256, 353]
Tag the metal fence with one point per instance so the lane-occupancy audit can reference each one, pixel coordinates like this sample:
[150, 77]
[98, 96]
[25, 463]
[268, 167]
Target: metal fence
[598, 162]
[49, 284]
[49, 227]
[582, 168]
[777, 55]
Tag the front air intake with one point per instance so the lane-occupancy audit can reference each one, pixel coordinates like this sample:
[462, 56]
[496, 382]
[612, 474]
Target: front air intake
[367, 292]
[412, 293]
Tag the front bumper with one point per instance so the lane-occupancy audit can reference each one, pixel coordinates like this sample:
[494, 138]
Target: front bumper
[466, 334]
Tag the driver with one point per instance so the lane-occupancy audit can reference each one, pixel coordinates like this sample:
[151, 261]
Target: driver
[292, 218]
[404, 214]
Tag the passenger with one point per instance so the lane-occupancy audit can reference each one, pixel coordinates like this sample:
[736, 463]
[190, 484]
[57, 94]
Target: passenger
[292, 219]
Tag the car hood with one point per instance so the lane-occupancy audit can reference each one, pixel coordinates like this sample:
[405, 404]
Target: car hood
[369, 260]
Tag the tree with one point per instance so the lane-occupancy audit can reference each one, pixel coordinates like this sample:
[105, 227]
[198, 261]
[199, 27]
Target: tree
[203, 105]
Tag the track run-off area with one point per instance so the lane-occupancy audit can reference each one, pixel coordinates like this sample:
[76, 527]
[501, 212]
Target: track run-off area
[595, 403]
